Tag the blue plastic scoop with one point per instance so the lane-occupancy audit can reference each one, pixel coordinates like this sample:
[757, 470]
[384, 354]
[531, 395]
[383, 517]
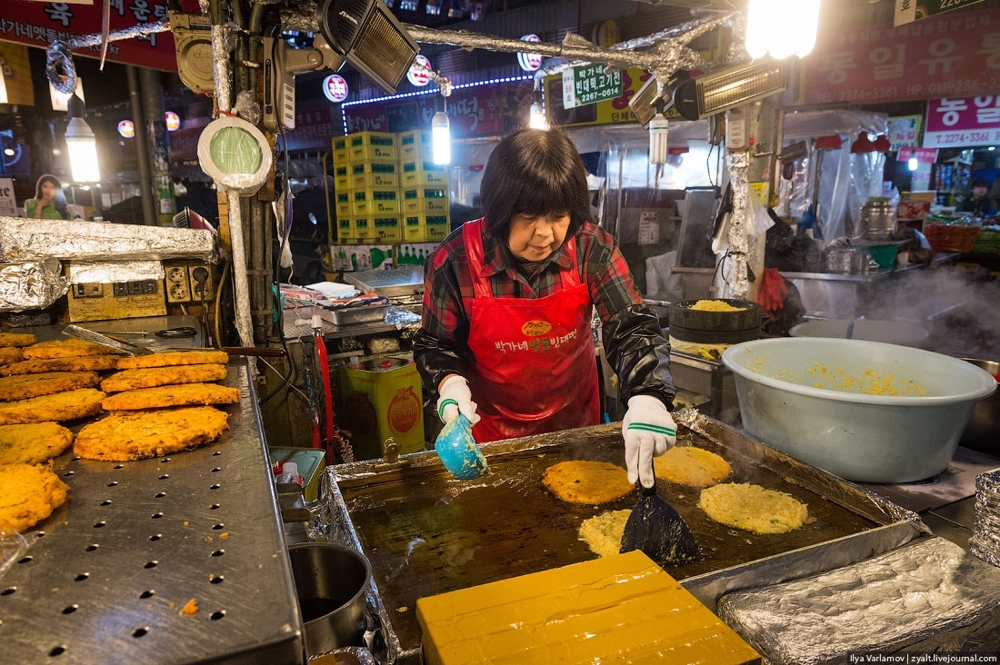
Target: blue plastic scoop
[458, 450]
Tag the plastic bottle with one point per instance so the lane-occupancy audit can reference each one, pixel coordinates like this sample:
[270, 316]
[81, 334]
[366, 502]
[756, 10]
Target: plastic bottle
[289, 474]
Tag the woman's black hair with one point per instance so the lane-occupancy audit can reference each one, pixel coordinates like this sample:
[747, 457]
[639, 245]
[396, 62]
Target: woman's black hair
[534, 172]
[59, 201]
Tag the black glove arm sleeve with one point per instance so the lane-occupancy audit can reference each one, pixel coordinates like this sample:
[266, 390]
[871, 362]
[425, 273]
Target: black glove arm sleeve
[436, 358]
[639, 353]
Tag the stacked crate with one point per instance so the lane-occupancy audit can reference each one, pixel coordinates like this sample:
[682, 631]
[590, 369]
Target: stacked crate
[375, 186]
[424, 190]
[343, 193]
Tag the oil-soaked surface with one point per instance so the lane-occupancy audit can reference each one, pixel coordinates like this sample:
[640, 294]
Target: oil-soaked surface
[426, 534]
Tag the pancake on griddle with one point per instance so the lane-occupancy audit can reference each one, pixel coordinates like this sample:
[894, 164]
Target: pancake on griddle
[173, 357]
[67, 348]
[33, 443]
[79, 364]
[603, 533]
[58, 407]
[132, 379]
[132, 435]
[25, 386]
[688, 465]
[580, 481]
[17, 339]
[753, 508]
[28, 494]
[185, 394]
[9, 354]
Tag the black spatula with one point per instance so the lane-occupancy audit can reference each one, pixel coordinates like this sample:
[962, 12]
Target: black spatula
[655, 528]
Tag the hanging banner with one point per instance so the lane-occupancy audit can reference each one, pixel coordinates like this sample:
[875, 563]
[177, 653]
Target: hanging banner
[607, 112]
[922, 155]
[39, 24]
[904, 131]
[908, 11]
[952, 55]
[963, 123]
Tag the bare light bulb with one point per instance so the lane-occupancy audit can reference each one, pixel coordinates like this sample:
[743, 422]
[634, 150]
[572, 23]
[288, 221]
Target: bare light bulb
[658, 139]
[82, 146]
[913, 164]
[441, 138]
[536, 117]
[781, 27]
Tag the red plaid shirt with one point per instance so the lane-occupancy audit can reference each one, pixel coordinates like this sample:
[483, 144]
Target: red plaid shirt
[448, 281]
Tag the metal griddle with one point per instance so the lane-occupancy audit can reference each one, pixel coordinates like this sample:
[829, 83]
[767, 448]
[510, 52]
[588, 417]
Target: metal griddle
[137, 540]
[426, 534]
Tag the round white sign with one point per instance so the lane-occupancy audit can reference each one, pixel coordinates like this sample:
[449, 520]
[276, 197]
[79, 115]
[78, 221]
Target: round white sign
[335, 88]
[419, 78]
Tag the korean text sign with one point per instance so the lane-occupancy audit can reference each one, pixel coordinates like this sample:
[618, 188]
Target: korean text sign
[964, 122]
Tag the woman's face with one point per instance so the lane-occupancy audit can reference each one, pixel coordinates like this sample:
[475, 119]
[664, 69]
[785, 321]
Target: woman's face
[48, 190]
[534, 238]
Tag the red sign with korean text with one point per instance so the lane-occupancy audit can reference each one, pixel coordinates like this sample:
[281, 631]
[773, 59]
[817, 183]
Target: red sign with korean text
[39, 24]
[949, 55]
[959, 123]
[923, 155]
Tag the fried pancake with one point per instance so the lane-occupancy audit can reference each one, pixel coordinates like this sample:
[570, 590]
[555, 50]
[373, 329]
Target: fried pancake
[8, 355]
[17, 339]
[59, 407]
[33, 385]
[67, 348]
[81, 364]
[691, 466]
[753, 508]
[171, 358]
[586, 482]
[186, 394]
[28, 494]
[603, 533]
[132, 435]
[150, 377]
[34, 443]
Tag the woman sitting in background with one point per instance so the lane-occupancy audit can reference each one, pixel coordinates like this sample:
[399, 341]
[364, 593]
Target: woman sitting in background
[49, 201]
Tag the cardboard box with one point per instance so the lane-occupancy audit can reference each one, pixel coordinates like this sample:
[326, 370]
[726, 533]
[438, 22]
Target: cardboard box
[627, 607]
[374, 175]
[360, 257]
[374, 201]
[418, 173]
[382, 398]
[374, 146]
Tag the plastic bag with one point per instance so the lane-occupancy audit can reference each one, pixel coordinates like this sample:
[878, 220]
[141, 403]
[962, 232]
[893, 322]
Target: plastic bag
[758, 220]
[12, 547]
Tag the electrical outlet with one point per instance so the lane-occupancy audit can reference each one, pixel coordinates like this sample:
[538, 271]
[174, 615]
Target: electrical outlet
[201, 279]
[93, 290]
[177, 284]
[121, 289]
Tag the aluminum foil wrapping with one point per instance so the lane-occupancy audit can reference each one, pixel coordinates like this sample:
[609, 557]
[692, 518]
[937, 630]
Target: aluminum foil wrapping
[59, 63]
[110, 272]
[27, 240]
[739, 163]
[221, 69]
[299, 16]
[985, 541]
[881, 605]
[31, 285]
[132, 32]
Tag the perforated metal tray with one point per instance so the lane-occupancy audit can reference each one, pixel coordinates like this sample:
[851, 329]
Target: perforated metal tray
[137, 540]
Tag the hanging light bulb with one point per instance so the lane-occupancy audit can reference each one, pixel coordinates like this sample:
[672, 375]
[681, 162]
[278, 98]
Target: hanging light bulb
[781, 28]
[913, 164]
[441, 138]
[82, 144]
[658, 139]
[536, 117]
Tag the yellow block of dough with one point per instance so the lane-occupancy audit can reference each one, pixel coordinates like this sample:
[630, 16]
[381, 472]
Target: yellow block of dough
[620, 609]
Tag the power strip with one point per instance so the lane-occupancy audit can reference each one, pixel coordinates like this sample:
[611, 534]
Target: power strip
[177, 284]
[201, 279]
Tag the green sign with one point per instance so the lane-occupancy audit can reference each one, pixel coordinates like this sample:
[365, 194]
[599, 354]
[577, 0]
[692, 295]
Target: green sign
[589, 84]
[908, 11]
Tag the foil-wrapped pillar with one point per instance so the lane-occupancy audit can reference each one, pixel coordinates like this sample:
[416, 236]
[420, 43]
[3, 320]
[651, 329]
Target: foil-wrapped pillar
[985, 541]
[240, 284]
[735, 270]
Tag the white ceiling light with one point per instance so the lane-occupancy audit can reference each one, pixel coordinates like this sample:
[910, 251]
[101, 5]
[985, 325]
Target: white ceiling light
[82, 145]
[781, 27]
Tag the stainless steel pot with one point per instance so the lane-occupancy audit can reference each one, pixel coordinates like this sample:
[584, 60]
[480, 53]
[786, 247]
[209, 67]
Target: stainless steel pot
[878, 219]
[330, 581]
[983, 431]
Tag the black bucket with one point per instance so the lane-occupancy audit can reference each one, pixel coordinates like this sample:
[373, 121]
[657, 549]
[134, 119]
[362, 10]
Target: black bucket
[330, 582]
[709, 327]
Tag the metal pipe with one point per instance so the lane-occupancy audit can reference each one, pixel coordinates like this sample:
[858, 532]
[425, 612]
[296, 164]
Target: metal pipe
[151, 89]
[141, 149]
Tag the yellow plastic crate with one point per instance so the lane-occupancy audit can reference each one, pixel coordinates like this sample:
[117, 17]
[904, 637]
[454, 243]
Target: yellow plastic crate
[375, 201]
[344, 203]
[342, 177]
[341, 150]
[375, 146]
[364, 229]
[425, 200]
[415, 145]
[374, 175]
[424, 174]
[381, 228]
[426, 228]
[345, 229]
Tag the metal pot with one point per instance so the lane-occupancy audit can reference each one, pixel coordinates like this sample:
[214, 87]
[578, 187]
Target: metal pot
[330, 581]
[878, 219]
[707, 327]
[983, 431]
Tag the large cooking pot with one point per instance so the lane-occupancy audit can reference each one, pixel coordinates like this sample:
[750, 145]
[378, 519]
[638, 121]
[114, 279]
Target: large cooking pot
[830, 403]
[330, 581]
[868, 330]
[709, 327]
[983, 431]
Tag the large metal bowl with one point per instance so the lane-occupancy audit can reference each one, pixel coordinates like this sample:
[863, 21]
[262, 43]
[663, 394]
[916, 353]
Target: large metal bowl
[816, 399]
[868, 330]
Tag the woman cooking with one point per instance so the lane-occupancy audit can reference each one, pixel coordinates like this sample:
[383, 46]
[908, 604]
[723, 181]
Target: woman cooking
[49, 202]
[508, 308]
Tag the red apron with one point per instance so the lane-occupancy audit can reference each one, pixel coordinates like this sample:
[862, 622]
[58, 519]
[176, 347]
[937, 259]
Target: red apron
[534, 364]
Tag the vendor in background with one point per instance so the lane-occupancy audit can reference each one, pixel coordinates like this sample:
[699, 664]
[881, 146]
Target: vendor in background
[506, 337]
[977, 202]
[49, 201]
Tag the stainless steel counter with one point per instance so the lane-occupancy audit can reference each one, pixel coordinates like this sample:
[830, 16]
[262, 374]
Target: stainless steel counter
[108, 573]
